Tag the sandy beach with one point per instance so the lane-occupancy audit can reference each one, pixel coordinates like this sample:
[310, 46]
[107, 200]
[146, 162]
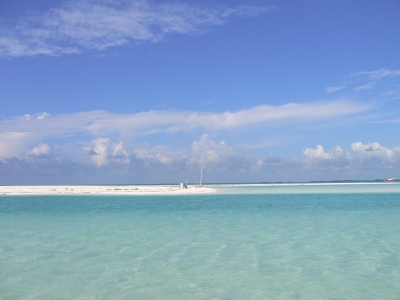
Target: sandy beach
[104, 190]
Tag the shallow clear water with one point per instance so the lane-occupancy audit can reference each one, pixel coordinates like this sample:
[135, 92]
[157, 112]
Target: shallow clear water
[309, 188]
[222, 246]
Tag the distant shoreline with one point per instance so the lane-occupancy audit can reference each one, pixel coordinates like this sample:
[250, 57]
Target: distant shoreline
[331, 181]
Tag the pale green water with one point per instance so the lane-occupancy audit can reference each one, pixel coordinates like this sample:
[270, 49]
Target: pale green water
[223, 246]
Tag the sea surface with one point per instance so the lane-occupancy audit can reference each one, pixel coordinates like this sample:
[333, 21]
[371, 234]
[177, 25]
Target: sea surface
[244, 242]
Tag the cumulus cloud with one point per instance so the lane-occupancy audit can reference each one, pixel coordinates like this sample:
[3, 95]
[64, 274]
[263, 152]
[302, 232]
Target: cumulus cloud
[222, 163]
[206, 151]
[102, 152]
[119, 154]
[80, 26]
[370, 156]
[202, 152]
[319, 153]
[373, 156]
[41, 149]
[334, 159]
[17, 132]
[220, 160]
[375, 150]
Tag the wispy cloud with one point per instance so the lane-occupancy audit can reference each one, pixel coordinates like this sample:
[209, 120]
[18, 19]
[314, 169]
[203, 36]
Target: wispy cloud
[367, 86]
[376, 75]
[206, 102]
[366, 80]
[371, 79]
[390, 121]
[80, 26]
[331, 89]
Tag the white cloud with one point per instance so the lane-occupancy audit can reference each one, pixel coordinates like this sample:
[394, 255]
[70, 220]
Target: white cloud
[139, 164]
[206, 102]
[372, 79]
[222, 163]
[17, 132]
[119, 154]
[41, 149]
[42, 116]
[161, 154]
[377, 75]
[361, 151]
[206, 151]
[203, 152]
[319, 160]
[102, 152]
[331, 89]
[375, 150]
[366, 86]
[99, 151]
[366, 80]
[319, 153]
[80, 26]
[215, 157]
[15, 143]
[370, 156]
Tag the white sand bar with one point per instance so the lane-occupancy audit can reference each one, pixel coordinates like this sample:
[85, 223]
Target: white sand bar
[104, 190]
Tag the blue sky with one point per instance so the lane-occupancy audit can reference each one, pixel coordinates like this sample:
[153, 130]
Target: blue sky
[151, 91]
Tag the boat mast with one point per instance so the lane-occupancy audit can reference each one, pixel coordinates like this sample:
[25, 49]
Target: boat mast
[201, 175]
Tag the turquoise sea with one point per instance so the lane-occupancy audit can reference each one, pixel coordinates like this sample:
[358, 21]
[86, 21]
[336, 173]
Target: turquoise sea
[244, 242]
